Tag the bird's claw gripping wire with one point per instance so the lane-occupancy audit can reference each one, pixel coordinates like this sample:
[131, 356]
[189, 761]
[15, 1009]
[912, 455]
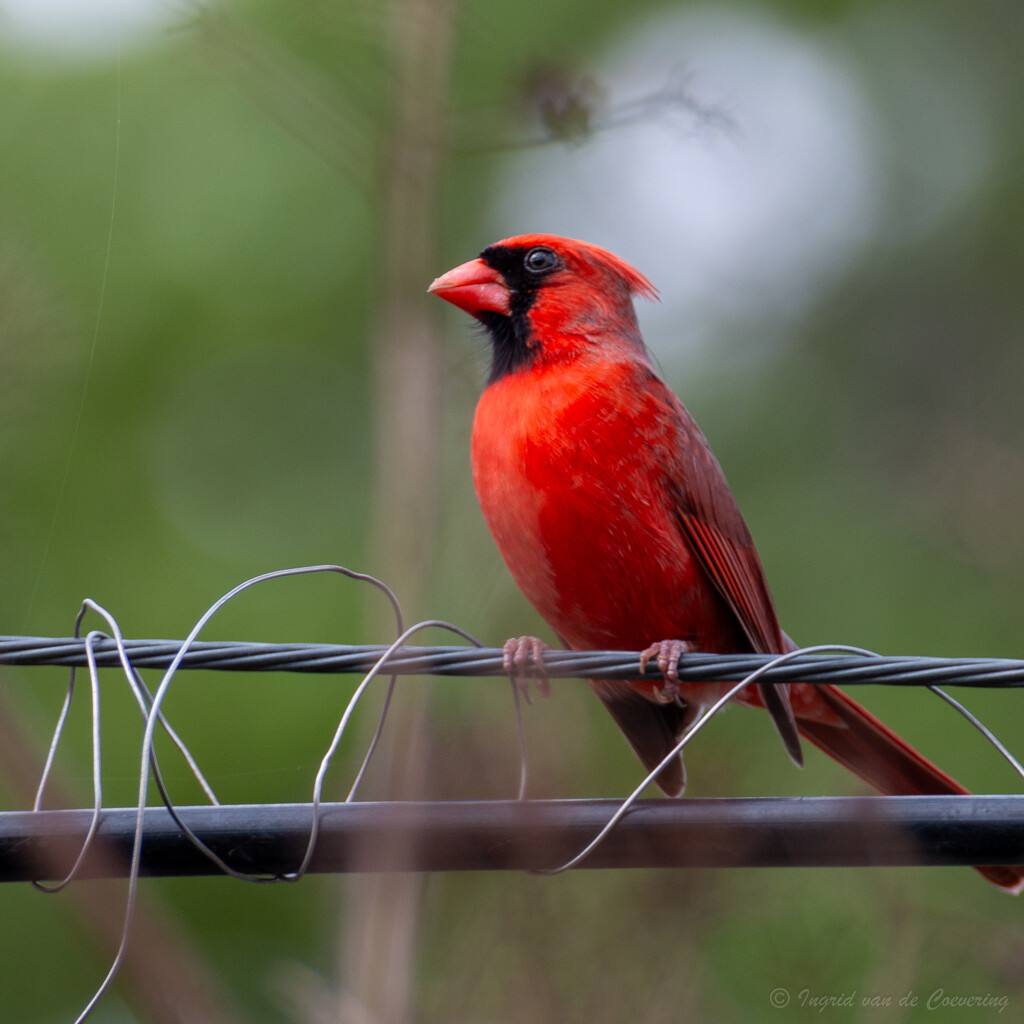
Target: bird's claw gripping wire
[667, 654]
[523, 659]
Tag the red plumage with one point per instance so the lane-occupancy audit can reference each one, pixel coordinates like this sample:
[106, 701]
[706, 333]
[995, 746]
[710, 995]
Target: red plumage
[614, 517]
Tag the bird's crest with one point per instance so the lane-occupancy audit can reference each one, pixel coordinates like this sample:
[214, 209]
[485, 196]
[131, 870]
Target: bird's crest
[584, 254]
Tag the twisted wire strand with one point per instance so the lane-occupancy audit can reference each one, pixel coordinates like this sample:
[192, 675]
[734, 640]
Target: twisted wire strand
[238, 656]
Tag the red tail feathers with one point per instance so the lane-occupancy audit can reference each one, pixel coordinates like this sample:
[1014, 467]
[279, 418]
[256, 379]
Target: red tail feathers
[860, 742]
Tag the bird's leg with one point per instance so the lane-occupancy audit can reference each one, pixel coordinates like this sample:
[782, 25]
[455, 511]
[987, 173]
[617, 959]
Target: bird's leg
[667, 654]
[523, 656]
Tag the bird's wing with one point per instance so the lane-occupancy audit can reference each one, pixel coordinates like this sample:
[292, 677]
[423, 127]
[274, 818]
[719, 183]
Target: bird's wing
[711, 522]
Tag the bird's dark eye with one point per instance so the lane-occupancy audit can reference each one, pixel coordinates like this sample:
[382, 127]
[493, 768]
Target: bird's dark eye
[540, 259]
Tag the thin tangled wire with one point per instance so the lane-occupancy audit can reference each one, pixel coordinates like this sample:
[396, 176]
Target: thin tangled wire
[150, 704]
[97, 649]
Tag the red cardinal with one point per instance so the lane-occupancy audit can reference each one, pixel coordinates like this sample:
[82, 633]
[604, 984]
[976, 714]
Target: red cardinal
[615, 519]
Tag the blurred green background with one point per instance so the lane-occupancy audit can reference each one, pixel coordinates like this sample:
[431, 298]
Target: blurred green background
[217, 358]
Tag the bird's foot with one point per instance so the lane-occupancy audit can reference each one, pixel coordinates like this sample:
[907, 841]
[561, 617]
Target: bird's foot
[667, 654]
[523, 657]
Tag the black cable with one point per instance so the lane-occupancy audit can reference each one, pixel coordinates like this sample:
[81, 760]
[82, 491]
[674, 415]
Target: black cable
[509, 835]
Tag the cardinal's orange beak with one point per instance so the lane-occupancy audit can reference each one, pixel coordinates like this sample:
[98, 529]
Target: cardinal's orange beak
[474, 287]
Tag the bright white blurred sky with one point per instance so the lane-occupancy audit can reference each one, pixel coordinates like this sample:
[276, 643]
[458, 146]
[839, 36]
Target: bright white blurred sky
[741, 230]
[733, 226]
[84, 25]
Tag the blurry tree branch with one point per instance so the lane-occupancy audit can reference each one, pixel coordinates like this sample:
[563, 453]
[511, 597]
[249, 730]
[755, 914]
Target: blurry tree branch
[381, 925]
[557, 105]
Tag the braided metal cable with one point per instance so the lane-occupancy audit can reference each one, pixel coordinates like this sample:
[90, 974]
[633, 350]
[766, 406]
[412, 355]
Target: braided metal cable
[236, 656]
